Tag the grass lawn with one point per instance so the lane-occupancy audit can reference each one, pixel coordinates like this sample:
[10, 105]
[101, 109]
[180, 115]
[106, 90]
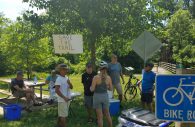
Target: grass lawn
[2, 95]
[47, 117]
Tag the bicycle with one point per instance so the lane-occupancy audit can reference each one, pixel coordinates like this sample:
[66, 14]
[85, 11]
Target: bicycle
[178, 94]
[130, 87]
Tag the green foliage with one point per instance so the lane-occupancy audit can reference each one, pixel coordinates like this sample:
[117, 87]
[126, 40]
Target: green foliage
[55, 60]
[180, 37]
[24, 48]
[106, 25]
[3, 58]
[79, 68]
[40, 75]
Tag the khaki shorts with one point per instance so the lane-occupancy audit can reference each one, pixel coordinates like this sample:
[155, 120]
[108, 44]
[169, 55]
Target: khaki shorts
[118, 88]
[63, 108]
[19, 94]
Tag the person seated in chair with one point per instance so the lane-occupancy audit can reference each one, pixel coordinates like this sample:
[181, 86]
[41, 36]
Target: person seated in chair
[19, 90]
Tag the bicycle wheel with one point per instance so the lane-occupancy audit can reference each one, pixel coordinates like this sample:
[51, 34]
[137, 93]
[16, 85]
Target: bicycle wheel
[130, 93]
[127, 86]
[175, 96]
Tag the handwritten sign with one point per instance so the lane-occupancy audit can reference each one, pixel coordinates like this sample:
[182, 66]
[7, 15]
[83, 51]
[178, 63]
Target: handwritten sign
[68, 44]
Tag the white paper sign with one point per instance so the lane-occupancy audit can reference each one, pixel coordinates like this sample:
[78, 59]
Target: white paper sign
[68, 44]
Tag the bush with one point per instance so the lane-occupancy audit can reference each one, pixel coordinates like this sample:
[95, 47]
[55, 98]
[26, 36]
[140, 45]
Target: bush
[78, 69]
[39, 75]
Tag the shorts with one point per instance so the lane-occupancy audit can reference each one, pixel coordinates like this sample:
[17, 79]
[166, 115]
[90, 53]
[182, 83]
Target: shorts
[88, 101]
[100, 101]
[63, 108]
[118, 88]
[19, 94]
[147, 97]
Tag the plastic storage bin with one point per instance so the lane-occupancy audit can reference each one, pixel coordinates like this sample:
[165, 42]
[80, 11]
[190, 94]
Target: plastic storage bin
[114, 107]
[12, 112]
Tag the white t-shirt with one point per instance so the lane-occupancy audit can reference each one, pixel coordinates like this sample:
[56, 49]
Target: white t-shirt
[64, 87]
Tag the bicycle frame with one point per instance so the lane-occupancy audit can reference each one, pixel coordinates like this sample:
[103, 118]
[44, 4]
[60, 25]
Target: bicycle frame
[136, 84]
[131, 86]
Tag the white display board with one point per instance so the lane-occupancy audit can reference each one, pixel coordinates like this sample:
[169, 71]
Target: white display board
[68, 44]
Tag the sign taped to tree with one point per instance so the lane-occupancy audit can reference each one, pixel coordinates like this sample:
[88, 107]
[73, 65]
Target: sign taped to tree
[68, 44]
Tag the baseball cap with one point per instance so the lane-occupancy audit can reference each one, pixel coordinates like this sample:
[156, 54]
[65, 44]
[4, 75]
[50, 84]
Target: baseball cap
[19, 73]
[63, 66]
[149, 65]
[89, 64]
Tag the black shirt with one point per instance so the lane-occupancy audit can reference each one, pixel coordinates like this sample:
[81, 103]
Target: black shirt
[87, 81]
[15, 82]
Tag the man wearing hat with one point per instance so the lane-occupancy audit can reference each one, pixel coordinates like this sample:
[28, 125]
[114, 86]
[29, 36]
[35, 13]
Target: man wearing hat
[62, 88]
[87, 78]
[19, 89]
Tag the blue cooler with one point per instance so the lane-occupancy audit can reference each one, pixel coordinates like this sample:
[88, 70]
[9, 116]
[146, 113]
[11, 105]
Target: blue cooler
[114, 107]
[12, 112]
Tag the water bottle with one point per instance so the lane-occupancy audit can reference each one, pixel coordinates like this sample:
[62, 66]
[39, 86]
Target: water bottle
[35, 80]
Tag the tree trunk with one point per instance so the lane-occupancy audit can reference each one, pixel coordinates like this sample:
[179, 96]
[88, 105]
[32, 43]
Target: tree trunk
[28, 69]
[93, 52]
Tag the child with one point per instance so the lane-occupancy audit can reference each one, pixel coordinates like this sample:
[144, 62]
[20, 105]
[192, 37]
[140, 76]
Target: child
[62, 88]
[147, 86]
[87, 78]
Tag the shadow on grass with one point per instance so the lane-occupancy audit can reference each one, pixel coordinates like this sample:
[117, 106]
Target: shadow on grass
[3, 86]
[48, 117]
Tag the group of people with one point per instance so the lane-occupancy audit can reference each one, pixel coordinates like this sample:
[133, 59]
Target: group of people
[95, 92]
[96, 87]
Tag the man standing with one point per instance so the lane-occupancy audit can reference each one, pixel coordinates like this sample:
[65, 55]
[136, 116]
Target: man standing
[62, 88]
[87, 78]
[115, 72]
